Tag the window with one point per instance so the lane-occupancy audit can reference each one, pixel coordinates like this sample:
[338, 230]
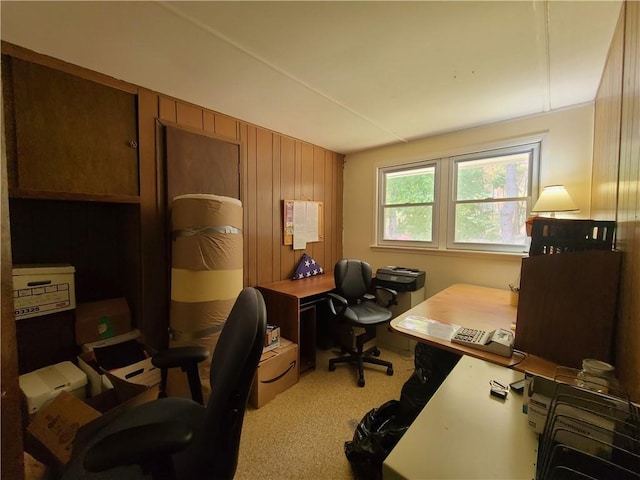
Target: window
[408, 201]
[482, 204]
[491, 192]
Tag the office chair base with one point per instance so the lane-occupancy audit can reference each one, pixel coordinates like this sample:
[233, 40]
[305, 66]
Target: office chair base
[359, 359]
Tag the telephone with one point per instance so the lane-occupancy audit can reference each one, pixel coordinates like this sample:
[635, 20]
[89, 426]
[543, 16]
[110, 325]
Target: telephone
[498, 341]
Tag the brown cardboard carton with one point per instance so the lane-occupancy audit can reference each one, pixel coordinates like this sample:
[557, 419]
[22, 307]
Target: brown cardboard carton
[277, 371]
[56, 425]
[52, 431]
[272, 336]
[103, 319]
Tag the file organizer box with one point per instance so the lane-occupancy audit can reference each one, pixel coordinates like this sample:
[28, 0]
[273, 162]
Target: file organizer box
[589, 435]
[554, 236]
[43, 289]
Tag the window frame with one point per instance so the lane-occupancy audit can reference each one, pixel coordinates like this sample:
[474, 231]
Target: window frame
[443, 206]
[533, 149]
[435, 208]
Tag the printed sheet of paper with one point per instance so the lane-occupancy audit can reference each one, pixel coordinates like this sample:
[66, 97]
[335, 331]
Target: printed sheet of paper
[428, 326]
[305, 224]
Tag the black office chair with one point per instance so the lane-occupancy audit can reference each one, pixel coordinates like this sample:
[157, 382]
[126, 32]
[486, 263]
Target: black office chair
[354, 306]
[177, 437]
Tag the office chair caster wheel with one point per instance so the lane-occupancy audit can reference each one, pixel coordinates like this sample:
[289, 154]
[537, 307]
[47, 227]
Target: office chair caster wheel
[376, 352]
[390, 371]
[332, 367]
[361, 381]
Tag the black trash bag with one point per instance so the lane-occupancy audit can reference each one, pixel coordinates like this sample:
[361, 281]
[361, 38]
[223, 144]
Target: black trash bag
[432, 365]
[375, 436]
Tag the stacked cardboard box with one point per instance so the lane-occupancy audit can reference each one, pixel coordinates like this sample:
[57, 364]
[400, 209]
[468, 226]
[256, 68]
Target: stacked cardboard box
[272, 338]
[277, 371]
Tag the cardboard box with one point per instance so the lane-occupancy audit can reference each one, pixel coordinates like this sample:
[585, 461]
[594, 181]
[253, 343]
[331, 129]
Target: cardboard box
[87, 363]
[132, 335]
[57, 425]
[43, 385]
[139, 373]
[43, 289]
[103, 319]
[277, 371]
[272, 336]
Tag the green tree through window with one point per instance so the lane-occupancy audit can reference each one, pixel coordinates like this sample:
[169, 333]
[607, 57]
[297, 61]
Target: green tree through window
[408, 210]
[485, 206]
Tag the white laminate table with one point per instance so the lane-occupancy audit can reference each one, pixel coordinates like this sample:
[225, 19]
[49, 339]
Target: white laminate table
[464, 433]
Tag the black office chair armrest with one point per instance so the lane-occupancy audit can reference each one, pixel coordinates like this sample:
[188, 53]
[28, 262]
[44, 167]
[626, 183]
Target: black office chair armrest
[341, 301]
[187, 358]
[180, 356]
[386, 292]
[144, 445]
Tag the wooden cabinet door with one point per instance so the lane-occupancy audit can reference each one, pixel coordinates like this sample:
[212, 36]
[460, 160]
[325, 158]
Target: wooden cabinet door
[72, 135]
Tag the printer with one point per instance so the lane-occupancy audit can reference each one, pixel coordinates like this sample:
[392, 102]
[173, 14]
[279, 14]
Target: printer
[401, 279]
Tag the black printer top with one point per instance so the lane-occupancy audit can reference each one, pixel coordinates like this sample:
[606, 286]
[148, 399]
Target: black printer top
[404, 271]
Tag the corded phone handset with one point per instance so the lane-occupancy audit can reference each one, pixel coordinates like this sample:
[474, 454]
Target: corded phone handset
[498, 341]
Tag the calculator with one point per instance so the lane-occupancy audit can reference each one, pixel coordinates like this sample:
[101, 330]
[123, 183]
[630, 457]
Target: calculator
[498, 341]
[471, 337]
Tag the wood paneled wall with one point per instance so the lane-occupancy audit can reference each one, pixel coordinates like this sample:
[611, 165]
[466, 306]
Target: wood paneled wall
[274, 167]
[616, 180]
[606, 136]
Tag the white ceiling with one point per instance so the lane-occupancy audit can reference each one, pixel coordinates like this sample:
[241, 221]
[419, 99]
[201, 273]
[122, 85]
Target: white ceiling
[347, 76]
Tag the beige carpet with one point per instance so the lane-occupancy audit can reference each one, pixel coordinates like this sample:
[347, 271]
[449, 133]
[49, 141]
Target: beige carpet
[301, 433]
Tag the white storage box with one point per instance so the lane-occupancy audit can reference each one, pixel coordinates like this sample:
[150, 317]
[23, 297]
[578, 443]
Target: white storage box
[43, 385]
[97, 380]
[43, 289]
[142, 373]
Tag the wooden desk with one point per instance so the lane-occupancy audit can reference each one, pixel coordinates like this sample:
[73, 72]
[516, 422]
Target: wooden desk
[474, 307]
[291, 304]
[463, 432]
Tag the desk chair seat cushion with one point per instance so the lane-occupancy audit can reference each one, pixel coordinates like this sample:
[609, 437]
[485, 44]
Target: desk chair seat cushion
[162, 410]
[367, 313]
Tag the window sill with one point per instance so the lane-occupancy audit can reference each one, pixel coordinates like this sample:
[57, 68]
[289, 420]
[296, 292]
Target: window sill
[506, 256]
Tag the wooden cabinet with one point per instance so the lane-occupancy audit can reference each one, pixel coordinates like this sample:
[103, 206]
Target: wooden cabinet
[74, 188]
[69, 135]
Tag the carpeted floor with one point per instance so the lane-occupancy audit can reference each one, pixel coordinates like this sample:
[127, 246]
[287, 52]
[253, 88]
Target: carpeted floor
[301, 433]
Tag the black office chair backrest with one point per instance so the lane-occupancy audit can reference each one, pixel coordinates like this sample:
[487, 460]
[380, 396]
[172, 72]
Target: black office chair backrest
[353, 278]
[233, 367]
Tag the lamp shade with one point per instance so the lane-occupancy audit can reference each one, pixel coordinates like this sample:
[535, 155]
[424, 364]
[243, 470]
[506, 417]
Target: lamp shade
[554, 198]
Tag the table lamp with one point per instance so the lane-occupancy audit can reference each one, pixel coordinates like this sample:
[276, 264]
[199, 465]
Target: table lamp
[554, 198]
